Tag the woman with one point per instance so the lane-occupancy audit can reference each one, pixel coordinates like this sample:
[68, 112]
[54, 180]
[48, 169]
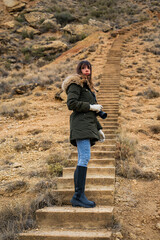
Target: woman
[85, 129]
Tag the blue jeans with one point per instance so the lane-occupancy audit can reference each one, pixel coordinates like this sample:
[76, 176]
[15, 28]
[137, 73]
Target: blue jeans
[84, 152]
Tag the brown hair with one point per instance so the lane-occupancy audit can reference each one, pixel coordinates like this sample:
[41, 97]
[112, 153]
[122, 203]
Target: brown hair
[89, 78]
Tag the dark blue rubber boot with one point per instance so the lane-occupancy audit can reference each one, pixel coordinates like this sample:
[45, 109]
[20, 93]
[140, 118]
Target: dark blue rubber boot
[79, 199]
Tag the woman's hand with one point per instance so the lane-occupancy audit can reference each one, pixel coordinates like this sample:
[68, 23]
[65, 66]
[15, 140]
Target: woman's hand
[96, 107]
[102, 136]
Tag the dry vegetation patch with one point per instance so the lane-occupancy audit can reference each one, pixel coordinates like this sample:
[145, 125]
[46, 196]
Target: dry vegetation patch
[137, 152]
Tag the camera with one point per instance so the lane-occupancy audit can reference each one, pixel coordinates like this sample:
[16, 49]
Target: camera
[102, 114]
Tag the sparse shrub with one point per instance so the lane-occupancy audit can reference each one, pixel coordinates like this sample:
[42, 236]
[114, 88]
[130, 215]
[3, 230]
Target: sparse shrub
[20, 18]
[37, 53]
[74, 39]
[158, 117]
[48, 26]
[4, 87]
[10, 110]
[7, 66]
[40, 174]
[26, 50]
[96, 13]
[43, 185]
[130, 10]
[56, 162]
[126, 156]
[151, 93]
[155, 129]
[20, 147]
[17, 185]
[3, 73]
[125, 148]
[153, 50]
[26, 34]
[32, 54]
[45, 145]
[15, 219]
[56, 169]
[64, 17]
[35, 131]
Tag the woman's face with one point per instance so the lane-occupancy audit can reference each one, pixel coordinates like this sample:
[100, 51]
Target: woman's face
[85, 70]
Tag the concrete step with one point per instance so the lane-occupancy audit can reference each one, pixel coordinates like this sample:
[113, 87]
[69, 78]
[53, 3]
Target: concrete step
[97, 162]
[111, 111]
[108, 90]
[107, 97]
[92, 171]
[105, 123]
[110, 136]
[107, 83]
[112, 115]
[105, 94]
[102, 195]
[111, 119]
[104, 147]
[74, 218]
[109, 116]
[108, 101]
[111, 99]
[91, 182]
[110, 141]
[110, 79]
[96, 154]
[111, 131]
[110, 104]
[67, 234]
[108, 126]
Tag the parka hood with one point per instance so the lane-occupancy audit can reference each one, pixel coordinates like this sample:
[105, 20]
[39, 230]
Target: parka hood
[75, 78]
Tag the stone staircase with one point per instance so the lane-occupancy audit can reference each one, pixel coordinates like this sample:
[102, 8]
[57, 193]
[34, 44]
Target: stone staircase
[67, 222]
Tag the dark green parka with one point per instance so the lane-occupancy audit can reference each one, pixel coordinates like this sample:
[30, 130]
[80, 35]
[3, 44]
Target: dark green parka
[83, 122]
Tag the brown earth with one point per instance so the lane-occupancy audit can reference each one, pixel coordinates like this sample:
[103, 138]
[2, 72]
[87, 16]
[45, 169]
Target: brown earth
[26, 143]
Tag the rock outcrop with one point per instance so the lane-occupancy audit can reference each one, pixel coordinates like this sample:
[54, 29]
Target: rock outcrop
[54, 46]
[34, 18]
[14, 5]
[104, 26]
[78, 29]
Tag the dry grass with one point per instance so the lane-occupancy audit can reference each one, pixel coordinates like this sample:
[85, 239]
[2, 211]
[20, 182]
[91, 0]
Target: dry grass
[56, 162]
[16, 185]
[155, 129]
[15, 219]
[127, 159]
[151, 93]
[41, 145]
[14, 110]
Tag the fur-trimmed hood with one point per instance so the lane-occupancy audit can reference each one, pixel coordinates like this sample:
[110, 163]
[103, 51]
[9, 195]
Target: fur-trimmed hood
[76, 78]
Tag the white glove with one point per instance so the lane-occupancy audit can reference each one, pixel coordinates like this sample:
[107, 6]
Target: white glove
[102, 136]
[96, 107]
